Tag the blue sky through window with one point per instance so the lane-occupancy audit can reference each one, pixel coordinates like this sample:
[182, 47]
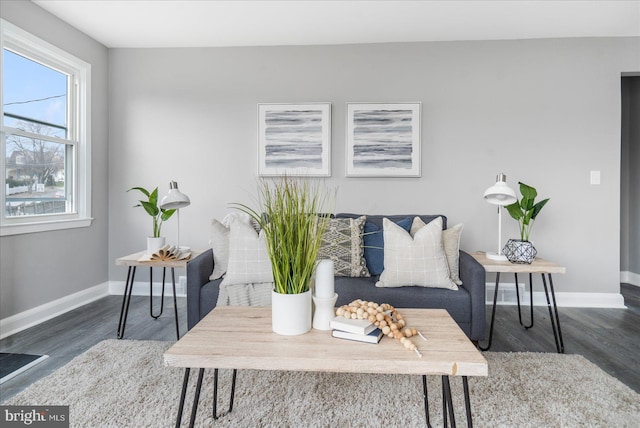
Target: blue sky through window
[33, 90]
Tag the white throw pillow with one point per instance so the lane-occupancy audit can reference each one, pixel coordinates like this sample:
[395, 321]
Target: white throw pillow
[243, 217]
[248, 257]
[220, 245]
[417, 260]
[451, 244]
[219, 240]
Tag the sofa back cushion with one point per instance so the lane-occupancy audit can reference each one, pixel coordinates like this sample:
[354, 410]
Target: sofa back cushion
[373, 242]
[249, 260]
[415, 260]
[343, 244]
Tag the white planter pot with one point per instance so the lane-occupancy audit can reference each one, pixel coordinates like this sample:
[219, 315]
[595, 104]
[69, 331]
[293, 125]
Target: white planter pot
[154, 244]
[291, 313]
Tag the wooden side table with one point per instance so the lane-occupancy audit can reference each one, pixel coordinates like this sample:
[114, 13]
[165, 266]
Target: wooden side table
[132, 262]
[540, 266]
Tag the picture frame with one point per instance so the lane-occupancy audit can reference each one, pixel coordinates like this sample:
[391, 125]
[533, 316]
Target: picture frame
[294, 139]
[383, 139]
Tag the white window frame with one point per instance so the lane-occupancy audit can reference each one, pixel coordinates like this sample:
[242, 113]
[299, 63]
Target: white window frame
[79, 123]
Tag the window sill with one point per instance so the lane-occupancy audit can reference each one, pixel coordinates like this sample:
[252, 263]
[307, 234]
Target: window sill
[44, 226]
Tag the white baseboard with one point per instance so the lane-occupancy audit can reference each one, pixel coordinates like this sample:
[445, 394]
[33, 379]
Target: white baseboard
[507, 296]
[39, 314]
[630, 278]
[141, 288]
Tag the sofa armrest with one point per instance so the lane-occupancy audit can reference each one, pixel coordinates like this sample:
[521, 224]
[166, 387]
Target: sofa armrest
[198, 271]
[473, 279]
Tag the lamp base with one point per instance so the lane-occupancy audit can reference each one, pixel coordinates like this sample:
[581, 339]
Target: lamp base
[498, 257]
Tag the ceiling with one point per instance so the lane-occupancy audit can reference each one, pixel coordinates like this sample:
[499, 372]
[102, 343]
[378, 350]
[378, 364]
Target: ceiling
[187, 23]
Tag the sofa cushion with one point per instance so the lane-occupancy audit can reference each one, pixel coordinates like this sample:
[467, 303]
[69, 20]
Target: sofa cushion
[374, 244]
[417, 260]
[220, 244]
[451, 245]
[219, 240]
[248, 256]
[457, 302]
[376, 220]
[343, 244]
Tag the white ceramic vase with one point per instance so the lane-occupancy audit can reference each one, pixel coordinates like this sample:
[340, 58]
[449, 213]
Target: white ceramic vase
[291, 313]
[324, 312]
[154, 244]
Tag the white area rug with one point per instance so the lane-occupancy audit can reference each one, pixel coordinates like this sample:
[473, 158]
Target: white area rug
[125, 384]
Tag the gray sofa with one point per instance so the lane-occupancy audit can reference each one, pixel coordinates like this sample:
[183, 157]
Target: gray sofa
[465, 305]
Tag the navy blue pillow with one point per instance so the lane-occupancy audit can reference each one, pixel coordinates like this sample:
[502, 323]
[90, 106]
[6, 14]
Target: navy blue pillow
[374, 245]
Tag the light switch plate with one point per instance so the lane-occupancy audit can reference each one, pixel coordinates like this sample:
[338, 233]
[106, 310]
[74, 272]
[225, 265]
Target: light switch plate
[595, 177]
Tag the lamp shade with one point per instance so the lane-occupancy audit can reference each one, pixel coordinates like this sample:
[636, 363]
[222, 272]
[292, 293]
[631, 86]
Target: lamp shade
[500, 193]
[175, 199]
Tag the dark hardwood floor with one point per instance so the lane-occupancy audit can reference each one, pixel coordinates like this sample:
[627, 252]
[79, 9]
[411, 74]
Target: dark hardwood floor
[610, 338]
[70, 334]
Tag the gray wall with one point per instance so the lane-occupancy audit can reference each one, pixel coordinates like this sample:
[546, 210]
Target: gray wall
[41, 267]
[630, 176]
[545, 112]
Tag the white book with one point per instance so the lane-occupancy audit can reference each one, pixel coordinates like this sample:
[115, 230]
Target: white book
[372, 337]
[350, 325]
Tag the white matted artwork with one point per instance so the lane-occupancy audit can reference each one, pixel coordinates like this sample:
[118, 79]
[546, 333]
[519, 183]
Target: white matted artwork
[294, 139]
[383, 140]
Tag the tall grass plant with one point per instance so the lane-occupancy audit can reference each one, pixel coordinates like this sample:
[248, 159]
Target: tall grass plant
[294, 214]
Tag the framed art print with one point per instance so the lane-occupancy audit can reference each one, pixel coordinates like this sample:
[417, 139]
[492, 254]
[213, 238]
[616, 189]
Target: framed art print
[383, 140]
[294, 139]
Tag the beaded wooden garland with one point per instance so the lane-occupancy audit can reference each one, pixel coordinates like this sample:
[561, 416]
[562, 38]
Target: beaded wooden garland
[385, 317]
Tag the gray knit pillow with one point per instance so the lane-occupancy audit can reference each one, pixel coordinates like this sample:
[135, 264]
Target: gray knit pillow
[343, 243]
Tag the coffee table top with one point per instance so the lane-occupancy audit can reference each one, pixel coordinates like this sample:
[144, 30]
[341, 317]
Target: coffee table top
[233, 337]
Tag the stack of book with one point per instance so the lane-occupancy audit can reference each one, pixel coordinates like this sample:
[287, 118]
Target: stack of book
[355, 329]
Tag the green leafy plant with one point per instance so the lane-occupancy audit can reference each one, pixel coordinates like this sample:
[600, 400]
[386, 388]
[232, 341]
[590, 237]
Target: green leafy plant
[294, 221]
[526, 210]
[159, 215]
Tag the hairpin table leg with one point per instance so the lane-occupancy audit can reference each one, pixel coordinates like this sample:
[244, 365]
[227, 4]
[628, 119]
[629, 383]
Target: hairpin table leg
[175, 301]
[155, 317]
[530, 301]
[185, 383]
[215, 394]
[493, 314]
[426, 400]
[126, 299]
[553, 315]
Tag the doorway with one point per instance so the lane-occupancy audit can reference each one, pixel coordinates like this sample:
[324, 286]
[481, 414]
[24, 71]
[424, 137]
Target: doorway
[630, 181]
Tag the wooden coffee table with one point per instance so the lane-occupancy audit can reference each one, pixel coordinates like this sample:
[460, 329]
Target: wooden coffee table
[241, 338]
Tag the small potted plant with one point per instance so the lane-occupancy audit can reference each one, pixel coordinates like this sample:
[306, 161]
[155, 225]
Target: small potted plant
[525, 212]
[159, 215]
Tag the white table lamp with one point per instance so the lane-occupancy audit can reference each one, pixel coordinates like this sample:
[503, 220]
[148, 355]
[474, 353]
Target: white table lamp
[501, 195]
[175, 200]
